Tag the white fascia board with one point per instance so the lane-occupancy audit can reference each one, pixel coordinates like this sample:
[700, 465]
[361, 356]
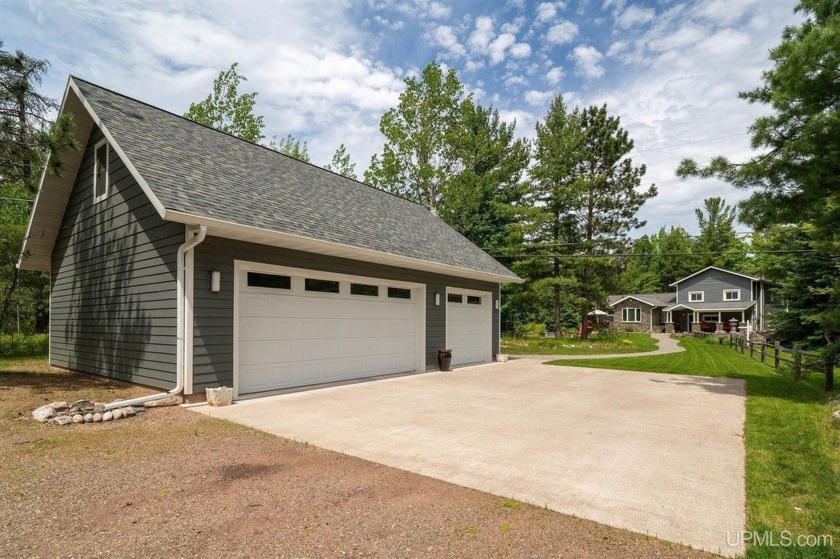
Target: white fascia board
[230, 230]
[115, 146]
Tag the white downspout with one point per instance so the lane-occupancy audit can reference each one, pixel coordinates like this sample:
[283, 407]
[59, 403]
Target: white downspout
[181, 327]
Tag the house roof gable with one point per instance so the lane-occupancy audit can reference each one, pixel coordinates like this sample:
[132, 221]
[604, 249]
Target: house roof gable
[707, 268]
[198, 175]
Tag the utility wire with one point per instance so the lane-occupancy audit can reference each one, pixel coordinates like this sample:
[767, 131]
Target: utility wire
[623, 255]
[18, 199]
[690, 142]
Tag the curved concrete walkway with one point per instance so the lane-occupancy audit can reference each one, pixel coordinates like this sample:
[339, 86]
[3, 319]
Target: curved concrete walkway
[666, 344]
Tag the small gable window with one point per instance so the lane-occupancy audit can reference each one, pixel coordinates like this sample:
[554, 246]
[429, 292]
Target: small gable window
[100, 172]
[695, 296]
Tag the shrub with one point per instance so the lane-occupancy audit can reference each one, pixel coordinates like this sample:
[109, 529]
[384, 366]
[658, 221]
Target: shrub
[21, 345]
[529, 330]
[611, 334]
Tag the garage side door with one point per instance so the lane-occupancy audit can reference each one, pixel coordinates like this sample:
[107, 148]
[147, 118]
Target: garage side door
[298, 330]
[468, 326]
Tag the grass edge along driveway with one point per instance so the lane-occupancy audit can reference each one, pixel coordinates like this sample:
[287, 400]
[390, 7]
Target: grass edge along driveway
[633, 342]
[793, 449]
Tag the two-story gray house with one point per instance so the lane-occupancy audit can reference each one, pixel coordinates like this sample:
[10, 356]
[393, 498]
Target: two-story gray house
[707, 300]
[185, 258]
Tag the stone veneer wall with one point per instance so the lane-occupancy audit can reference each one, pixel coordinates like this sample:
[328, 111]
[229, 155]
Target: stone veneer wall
[644, 325]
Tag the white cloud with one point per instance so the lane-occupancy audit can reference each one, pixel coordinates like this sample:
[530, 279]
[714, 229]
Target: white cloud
[546, 12]
[616, 48]
[634, 15]
[474, 65]
[554, 75]
[445, 36]
[515, 81]
[499, 45]
[483, 33]
[390, 24]
[588, 61]
[561, 33]
[538, 98]
[514, 25]
[520, 50]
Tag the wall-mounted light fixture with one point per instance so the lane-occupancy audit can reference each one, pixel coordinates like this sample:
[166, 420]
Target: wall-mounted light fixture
[215, 281]
[437, 299]
[496, 304]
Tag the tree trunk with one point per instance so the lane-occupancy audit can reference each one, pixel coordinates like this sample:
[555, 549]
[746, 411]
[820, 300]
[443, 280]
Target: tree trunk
[4, 313]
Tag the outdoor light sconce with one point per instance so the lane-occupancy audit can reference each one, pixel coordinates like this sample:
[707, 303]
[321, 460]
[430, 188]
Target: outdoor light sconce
[496, 304]
[215, 281]
[437, 299]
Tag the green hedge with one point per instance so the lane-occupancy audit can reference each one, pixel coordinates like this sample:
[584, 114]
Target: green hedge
[21, 345]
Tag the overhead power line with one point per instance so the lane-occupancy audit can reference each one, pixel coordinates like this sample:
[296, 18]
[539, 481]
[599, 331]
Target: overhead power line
[631, 254]
[18, 199]
[690, 142]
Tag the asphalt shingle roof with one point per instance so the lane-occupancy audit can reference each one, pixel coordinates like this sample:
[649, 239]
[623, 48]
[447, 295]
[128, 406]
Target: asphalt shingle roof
[200, 171]
[653, 299]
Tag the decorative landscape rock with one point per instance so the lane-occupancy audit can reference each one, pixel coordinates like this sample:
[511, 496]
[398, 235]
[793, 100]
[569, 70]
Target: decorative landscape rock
[167, 401]
[44, 413]
[84, 411]
[221, 396]
[60, 406]
[81, 405]
[836, 415]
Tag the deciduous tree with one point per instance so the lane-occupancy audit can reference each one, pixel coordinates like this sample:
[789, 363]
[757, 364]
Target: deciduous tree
[227, 110]
[341, 164]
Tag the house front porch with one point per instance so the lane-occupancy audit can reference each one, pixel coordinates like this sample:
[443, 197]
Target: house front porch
[685, 318]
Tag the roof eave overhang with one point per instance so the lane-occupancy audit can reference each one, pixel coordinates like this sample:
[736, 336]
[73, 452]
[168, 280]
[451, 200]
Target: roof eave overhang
[54, 192]
[648, 303]
[236, 231]
[753, 278]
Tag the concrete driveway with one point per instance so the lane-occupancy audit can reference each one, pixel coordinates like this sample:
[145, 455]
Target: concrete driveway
[658, 454]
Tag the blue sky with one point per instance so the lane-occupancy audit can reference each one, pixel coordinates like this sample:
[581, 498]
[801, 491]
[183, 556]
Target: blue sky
[327, 71]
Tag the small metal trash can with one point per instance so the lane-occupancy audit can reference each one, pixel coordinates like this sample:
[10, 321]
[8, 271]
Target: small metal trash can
[444, 359]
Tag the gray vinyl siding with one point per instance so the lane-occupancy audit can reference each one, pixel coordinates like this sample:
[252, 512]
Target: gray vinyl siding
[213, 312]
[713, 283]
[113, 304]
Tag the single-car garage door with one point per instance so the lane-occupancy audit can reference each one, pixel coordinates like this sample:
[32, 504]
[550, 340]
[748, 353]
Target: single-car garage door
[468, 326]
[297, 328]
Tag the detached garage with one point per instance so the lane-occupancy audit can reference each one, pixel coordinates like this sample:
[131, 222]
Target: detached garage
[185, 258]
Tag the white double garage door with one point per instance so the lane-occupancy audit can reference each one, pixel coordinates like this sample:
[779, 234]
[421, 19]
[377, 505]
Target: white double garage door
[296, 327]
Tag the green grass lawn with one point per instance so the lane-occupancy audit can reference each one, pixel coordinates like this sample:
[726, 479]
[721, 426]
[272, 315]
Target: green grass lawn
[792, 445]
[626, 343]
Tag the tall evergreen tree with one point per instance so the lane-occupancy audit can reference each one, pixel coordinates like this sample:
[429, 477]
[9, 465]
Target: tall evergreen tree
[796, 177]
[588, 193]
[29, 140]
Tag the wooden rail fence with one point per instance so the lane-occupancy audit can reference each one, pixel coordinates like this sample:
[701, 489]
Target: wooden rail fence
[799, 360]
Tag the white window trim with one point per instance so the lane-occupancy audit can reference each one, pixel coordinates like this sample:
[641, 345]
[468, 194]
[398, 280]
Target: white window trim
[700, 300]
[97, 199]
[737, 294]
[624, 312]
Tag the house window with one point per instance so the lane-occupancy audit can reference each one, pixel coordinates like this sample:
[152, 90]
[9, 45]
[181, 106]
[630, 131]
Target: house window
[473, 300]
[731, 294]
[324, 286]
[100, 172]
[455, 298]
[270, 281]
[633, 314]
[364, 289]
[695, 296]
[399, 293]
